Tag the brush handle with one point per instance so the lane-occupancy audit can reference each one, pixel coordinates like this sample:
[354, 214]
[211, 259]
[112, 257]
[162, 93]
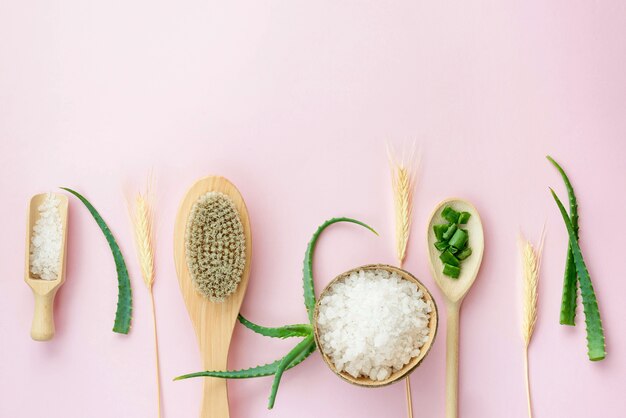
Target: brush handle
[452, 360]
[214, 398]
[43, 318]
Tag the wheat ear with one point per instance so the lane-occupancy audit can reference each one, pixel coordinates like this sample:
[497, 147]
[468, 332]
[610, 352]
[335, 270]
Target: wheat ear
[531, 263]
[142, 219]
[403, 174]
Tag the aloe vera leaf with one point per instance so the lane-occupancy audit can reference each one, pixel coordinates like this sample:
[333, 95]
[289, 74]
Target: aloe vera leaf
[596, 348]
[286, 361]
[568, 299]
[296, 330]
[307, 271]
[258, 371]
[124, 296]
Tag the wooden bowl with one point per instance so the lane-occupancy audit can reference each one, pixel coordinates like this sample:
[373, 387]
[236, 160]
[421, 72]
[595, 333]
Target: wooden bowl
[415, 361]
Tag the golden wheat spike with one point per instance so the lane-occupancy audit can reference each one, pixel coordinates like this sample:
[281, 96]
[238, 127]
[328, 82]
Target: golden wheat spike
[531, 263]
[142, 220]
[403, 175]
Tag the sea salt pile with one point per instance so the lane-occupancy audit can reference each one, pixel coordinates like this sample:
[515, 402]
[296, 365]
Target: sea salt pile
[372, 323]
[46, 241]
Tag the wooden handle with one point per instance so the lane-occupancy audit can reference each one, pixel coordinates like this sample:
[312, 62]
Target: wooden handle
[452, 361]
[43, 319]
[214, 398]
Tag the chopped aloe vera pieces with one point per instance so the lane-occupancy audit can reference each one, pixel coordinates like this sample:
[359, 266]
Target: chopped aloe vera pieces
[440, 230]
[464, 217]
[441, 245]
[448, 258]
[450, 232]
[451, 271]
[464, 253]
[452, 249]
[450, 214]
[459, 238]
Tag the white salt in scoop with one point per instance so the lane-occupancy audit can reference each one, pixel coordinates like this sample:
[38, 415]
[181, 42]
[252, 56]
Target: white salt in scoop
[45, 258]
[375, 324]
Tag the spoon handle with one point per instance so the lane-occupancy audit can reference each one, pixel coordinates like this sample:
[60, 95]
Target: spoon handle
[452, 360]
[214, 398]
[43, 319]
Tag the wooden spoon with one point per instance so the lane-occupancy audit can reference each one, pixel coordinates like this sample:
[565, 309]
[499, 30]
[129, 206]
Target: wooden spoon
[213, 322]
[455, 290]
[44, 291]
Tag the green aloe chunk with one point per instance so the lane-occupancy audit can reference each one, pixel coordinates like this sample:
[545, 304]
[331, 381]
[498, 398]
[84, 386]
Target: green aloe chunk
[464, 253]
[307, 270]
[450, 214]
[459, 239]
[440, 230]
[124, 295]
[441, 245]
[448, 258]
[451, 271]
[568, 298]
[464, 217]
[450, 232]
[596, 347]
[297, 330]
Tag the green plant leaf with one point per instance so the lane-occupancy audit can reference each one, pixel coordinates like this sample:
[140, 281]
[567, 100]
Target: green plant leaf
[284, 363]
[124, 297]
[568, 299]
[258, 371]
[596, 348]
[296, 330]
[307, 271]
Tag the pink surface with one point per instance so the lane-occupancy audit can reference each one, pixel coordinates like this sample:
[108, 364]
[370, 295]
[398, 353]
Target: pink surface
[293, 101]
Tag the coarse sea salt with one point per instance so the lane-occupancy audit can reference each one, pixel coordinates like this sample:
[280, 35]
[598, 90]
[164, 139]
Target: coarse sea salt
[46, 241]
[372, 323]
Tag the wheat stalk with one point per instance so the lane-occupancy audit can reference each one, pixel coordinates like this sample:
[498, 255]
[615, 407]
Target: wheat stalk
[531, 262]
[142, 220]
[403, 174]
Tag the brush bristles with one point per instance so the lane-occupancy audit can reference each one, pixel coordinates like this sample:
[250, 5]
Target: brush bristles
[142, 224]
[530, 267]
[402, 180]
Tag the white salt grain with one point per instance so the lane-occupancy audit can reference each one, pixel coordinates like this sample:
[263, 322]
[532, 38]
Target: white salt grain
[46, 241]
[372, 323]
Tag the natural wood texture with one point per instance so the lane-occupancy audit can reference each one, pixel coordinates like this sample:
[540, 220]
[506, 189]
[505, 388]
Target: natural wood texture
[394, 377]
[454, 290]
[44, 290]
[213, 322]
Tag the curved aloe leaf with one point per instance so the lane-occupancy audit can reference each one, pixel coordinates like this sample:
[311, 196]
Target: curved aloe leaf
[296, 330]
[259, 371]
[307, 271]
[284, 363]
[568, 299]
[596, 348]
[124, 295]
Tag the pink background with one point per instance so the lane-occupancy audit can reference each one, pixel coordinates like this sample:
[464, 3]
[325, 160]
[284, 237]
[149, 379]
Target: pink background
[293, 101]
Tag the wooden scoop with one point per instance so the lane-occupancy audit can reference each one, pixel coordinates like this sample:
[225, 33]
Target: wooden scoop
[44, 290]
[212, 321]
[455, 290]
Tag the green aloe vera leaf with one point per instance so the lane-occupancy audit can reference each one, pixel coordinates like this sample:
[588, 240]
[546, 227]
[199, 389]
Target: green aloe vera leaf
[124, 296]
[258, 371]
[296, 330]
[596, 348]
[568, 299]
[284, 363]
[307, 271]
